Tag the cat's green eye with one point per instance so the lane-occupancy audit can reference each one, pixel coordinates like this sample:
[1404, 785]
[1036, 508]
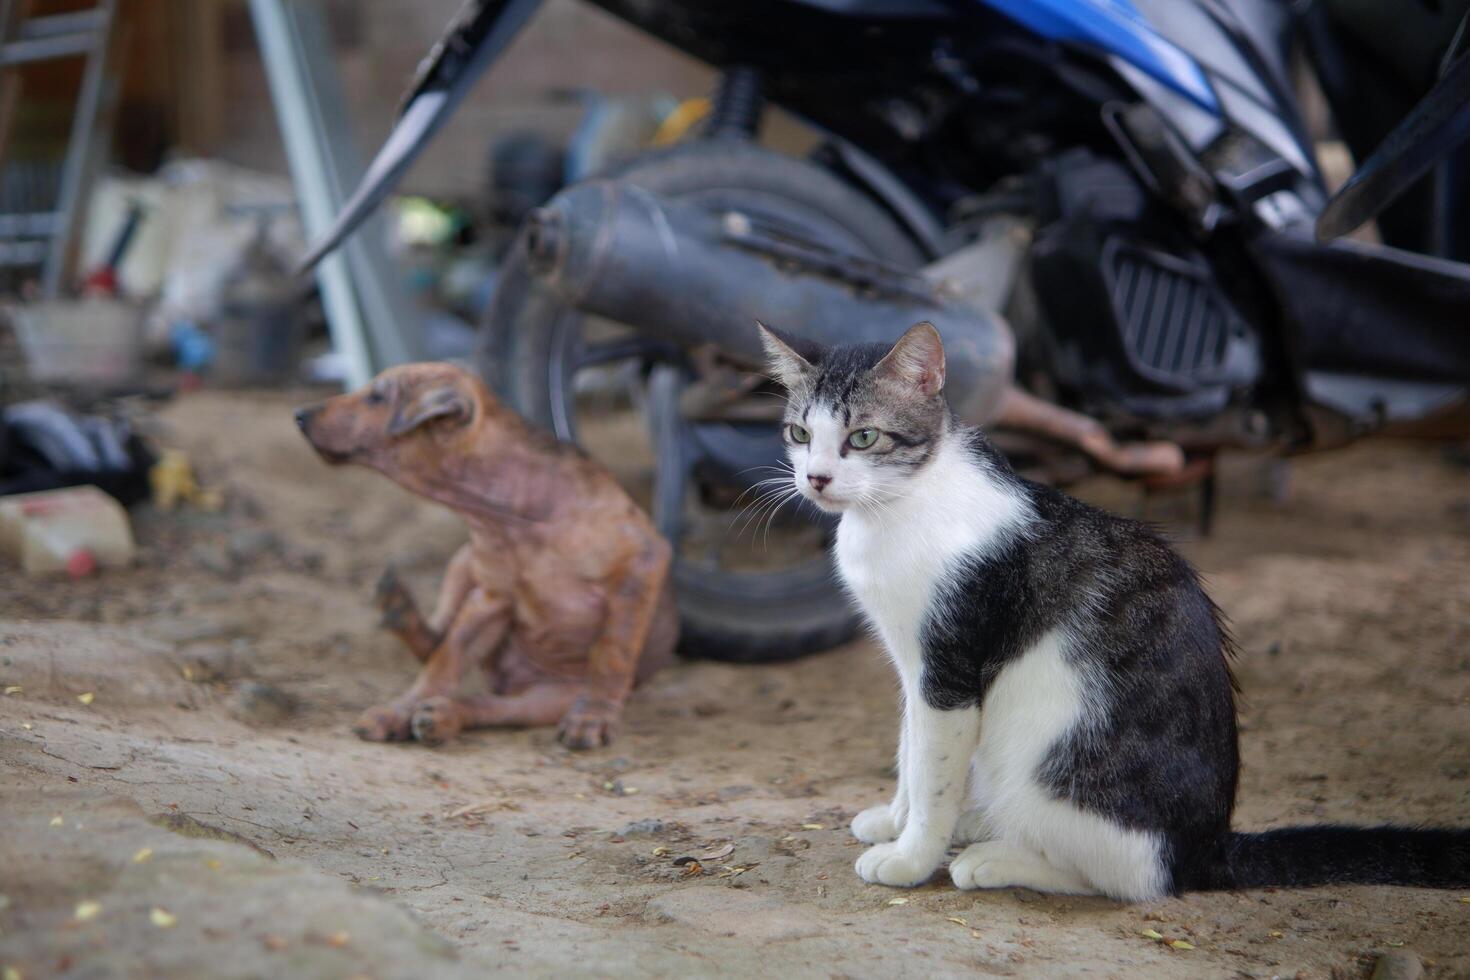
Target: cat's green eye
[862, 438]
[798, 434]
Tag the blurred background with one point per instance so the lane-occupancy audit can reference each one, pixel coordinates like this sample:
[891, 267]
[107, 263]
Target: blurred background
[182, 193]
[1137, 225]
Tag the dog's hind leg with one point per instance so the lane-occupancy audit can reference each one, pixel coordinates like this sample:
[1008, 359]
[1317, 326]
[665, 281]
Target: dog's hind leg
[401, 615]
[479, 626]
[439, 719]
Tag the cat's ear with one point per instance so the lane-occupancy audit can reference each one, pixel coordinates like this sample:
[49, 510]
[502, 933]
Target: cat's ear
[789, 366]
[916, 360]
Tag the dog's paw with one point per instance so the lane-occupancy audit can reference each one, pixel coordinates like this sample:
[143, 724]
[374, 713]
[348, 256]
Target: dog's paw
[588, 724]
[876, 825]
[889, 864]
[435, 721]
[385, 723]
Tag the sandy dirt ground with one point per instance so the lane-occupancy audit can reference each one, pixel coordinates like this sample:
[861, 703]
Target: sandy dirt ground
[209, 813]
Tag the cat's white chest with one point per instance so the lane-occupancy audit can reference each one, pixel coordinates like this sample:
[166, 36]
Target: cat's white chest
[897, 561]
[893, 582]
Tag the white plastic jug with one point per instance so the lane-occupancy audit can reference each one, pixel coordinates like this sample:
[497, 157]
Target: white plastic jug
[75, 530]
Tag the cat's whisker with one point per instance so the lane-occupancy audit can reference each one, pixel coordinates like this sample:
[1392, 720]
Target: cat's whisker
[757, 492]
[771, 517]
[758, 506]
[779, 467]
[753, 512]
[761, 483]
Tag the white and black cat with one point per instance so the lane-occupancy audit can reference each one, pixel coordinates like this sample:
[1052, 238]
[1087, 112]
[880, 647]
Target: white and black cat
[1069, 711]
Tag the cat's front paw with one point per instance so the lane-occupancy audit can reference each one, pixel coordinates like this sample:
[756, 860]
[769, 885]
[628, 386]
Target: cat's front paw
[889, 864]
[876, 825]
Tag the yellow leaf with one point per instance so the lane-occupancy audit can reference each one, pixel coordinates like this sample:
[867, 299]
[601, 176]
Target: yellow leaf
[812, 826]
[974, 933]
[898, 901]
[87, 698]
[26, 725]
[87, 911]
[1465, 899]
[630, 790]
[1181, 944]
[956, 920]
[11, 973]
[14, 689]
[1393, 944]
[1152, 934]
[56, 821]
[660, 851]
[162, 918]
[1276, 934]
[144, 853]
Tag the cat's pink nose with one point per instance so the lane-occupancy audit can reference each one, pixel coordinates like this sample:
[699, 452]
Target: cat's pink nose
[818, 481]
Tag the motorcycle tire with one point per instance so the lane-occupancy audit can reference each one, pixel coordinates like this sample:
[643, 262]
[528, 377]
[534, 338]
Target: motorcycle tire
[721, 620]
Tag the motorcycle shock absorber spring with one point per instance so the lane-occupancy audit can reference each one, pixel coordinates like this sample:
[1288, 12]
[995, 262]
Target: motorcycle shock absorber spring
[735, 107]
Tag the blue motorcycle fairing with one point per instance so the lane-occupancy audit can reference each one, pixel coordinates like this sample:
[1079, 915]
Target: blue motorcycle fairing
[1117, 28]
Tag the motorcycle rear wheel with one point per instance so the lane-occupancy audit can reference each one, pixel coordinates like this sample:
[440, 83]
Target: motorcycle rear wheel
[736, 616]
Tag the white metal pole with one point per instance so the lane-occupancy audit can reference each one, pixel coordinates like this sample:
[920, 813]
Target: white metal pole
[308, 171]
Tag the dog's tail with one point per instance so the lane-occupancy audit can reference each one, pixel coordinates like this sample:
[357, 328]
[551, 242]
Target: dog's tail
[1328, 854]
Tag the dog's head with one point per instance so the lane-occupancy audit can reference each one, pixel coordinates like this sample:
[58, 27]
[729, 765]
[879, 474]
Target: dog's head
[416, 423]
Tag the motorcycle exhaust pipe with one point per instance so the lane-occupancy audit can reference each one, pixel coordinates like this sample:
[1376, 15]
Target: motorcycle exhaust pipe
[691, 275]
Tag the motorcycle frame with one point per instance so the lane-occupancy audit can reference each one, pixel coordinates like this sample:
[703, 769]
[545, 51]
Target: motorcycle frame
[936, 99]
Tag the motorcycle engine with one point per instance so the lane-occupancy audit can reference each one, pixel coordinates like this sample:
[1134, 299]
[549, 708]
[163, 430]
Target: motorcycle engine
[1135, 324]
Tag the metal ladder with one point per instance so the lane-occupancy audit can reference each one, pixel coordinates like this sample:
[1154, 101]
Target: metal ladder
[45, 238]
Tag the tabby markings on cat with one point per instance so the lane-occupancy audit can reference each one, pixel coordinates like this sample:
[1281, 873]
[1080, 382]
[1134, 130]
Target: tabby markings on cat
[1068, 708]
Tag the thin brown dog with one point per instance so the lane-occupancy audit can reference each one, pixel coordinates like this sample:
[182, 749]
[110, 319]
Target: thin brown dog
[563, 590]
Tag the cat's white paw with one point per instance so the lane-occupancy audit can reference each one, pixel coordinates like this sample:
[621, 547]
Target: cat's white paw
[984, 865]
[888, 864]
[876, 825]
[1000, 864]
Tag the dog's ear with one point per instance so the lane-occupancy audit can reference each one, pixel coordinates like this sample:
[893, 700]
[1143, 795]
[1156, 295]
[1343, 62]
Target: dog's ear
[790, 357]
[440, 401]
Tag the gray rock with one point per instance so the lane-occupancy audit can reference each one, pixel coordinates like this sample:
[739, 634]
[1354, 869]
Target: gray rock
[649, 826]
[1398, 964]
[213, 557]
[210, 662]
[248, 916]
[259, 704]
[251, 543]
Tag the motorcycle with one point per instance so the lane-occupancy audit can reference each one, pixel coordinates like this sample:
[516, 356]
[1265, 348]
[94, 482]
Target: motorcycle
[1106, 206]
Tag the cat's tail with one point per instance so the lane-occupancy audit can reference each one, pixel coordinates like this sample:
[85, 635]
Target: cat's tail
[1328, 854]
